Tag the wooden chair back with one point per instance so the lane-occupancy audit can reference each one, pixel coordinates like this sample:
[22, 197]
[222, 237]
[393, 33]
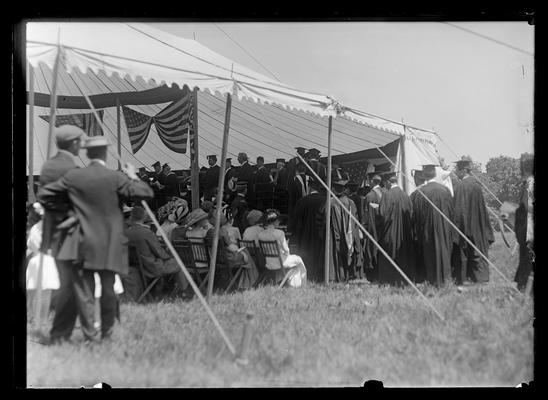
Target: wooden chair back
[271, 252]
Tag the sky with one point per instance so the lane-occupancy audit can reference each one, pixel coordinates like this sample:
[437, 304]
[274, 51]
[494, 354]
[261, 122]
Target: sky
[477, 94]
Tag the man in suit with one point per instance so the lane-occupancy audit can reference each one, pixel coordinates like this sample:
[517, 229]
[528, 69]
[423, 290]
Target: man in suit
[156, 261]
[231, 177]
[68, 139]
[154, 181]
[211, 177]
[96, 194]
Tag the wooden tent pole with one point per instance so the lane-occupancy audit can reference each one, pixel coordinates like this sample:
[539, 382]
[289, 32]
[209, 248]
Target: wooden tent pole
[53, 102]
[328, 204]
[30, 101]
[219, 198]
[119, 133]
[53, 106]
[194, 164]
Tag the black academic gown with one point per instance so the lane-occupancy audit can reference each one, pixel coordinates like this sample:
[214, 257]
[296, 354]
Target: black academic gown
[295, 191]
[396, 237]
[245, 173]
[370, 223]
[318, 168]
[308, 227]
[211, 180]
[472, 219]
[434, 233]
[263, 188]
[343, 234]
[420, 273]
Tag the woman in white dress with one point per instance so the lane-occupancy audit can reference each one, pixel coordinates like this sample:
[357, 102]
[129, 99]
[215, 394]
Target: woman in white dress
[293, 261]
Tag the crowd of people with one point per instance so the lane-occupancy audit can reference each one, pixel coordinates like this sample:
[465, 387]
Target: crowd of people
[87, 233]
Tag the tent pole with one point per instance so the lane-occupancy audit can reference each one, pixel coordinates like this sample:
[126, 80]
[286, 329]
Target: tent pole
[53, 101]
[119, 133]
[194, 165]
[328, 204]
[403, 163]
[30, 102]
[219, 198]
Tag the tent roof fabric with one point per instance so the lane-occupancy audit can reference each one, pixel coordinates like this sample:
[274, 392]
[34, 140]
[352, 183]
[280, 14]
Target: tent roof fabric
[144, 76]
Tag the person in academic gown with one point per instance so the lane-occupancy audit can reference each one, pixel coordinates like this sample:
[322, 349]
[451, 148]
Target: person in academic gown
[263, 186]
[343, 231]
[420, 273]
[297, 189]
[351, 191]
[472, 219]
[371, 209]
[211, 177]
[245, 174]
[231, 177]
[395, 234]
[434, 234]
[292, 166]
[308, 228]
[313, 159]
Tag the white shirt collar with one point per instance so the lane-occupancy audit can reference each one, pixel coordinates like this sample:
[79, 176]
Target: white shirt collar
[430, 180]
[68, 153]
[394, 185]
[98, 160]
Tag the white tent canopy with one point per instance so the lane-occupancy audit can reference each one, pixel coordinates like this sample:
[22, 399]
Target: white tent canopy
[111, 58]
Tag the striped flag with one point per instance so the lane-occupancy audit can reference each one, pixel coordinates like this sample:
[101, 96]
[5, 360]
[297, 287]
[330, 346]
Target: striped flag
[174, 122]
[86, 122]
[138, 127]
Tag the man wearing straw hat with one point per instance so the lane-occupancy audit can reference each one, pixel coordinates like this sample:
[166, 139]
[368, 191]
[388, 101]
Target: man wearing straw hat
[96, 194]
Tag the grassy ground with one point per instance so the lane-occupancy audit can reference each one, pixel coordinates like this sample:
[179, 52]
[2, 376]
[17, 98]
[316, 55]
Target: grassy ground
[340, 335]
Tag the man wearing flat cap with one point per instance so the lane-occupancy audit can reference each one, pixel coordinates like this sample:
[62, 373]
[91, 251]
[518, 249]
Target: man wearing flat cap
[96, 194]
[68, 139]
[211, 177]
[472, 219]
[63, 243]
[434, 234]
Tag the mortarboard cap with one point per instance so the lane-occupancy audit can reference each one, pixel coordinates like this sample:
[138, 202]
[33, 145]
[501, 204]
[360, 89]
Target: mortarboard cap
[142, 169]
[165, 165]
[300, 149]
[157, 163]
[314, 152]
[67, 133]
[352, 184]
[280, 160]
[429, 168]
[211, 156]
[464, 162]
[229, 160]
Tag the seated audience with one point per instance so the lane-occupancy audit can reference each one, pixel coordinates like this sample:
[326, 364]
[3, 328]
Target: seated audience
[229, 255]
[271, 232]
[195, 226]
[254, 219]
[156, 261]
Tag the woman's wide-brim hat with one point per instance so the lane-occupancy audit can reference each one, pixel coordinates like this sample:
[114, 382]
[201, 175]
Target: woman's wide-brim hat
[195, 216]
[254, 216]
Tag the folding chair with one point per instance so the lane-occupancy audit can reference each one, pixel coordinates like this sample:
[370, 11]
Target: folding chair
[195, 256]
[134, 255]
[273, 259]
[250, 246]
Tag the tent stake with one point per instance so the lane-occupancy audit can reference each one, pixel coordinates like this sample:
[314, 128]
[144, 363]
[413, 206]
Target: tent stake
[220, 191]
[328, 203]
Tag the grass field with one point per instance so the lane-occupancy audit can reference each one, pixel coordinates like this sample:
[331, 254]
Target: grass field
[340, 335]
